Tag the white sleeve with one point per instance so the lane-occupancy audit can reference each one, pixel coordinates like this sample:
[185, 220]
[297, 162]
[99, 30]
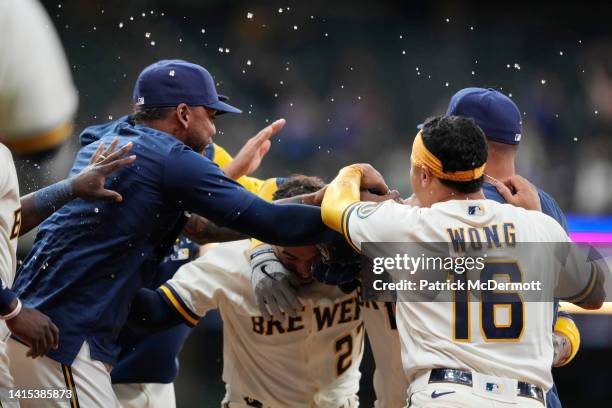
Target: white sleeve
[37, 94]
[577, 272]
[198, 286]
[378, 222]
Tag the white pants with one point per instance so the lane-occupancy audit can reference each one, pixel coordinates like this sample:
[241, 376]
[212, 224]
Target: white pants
[449, 395]
[6, 379]
[148, 395]
[87, 379]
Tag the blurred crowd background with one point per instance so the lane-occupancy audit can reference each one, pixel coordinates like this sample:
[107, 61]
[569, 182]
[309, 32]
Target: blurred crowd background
[353, 79]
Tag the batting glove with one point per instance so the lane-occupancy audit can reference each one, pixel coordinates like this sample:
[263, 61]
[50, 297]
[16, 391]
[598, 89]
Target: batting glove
[274, 286]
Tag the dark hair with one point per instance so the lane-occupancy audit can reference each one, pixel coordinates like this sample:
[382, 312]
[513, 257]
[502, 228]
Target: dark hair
[298, 184]
[143, 115]
[459, 144]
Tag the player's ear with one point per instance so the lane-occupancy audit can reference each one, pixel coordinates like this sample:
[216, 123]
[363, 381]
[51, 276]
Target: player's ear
[183, 115]
[425, 176]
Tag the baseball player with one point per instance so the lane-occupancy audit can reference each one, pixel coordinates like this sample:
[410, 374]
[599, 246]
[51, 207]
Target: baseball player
[446, 366]
[20, 215]
[84, 266]
[309, 360]
[148, 363]
[500, 119]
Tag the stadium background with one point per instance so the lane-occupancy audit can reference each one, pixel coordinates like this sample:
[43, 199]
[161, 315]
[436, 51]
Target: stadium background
[353, 79]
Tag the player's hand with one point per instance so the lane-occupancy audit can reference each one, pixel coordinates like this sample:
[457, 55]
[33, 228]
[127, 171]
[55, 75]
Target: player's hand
[519, 192]
[89, 183]
[562, 348]
[366, 195]
[372, 180]
[274, 286]
[252, 153]
[36, 330]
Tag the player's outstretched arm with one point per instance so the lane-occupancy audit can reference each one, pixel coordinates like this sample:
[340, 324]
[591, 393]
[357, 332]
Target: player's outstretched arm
[204, 231]
[345, 190]
[88, 185]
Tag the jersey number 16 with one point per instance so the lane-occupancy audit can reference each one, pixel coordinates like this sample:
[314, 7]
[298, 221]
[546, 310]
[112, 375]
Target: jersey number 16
[491, 302]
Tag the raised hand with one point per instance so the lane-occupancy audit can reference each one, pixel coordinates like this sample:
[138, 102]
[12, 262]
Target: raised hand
[89, 183]
[252, 153]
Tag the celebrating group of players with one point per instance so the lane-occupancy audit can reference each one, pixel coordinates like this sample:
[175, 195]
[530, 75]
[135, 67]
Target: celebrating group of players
[117, 276]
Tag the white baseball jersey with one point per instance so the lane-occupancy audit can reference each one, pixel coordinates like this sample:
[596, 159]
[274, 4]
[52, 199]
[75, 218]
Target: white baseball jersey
[308, 361]
[10, 216]
[390, 383]
[36, 90]
[426, 329]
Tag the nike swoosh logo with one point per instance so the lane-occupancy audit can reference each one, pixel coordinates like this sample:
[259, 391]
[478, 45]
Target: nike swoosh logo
[437, 394]
[263, 269]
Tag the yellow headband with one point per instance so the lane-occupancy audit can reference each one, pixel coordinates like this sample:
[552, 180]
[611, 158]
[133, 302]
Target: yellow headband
[422, 157]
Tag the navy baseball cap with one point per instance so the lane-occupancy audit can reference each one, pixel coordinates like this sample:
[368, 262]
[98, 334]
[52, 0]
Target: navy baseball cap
[171, 82]
[495, 113]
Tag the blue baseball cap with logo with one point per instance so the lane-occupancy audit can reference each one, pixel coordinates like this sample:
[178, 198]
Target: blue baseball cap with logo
[495, 113]
[169, 83]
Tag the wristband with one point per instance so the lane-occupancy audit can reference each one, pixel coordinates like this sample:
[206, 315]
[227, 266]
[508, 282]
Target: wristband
[49, 199]
[566, 326]
[14, 313]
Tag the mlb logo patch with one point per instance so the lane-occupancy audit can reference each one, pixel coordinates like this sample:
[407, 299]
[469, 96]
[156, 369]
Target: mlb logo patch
[475, 210]
[517, 137]
[494, 388]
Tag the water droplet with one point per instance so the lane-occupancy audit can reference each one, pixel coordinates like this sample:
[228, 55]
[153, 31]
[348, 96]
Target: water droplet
[250, 15]
[403, 52]
[560, 52]
[543, 81]
[596, 112]
[171, 73]
[446, 84]
[280, 10]
[295, 27]
[227, 50]
[153, 43]
[120, 25]
[220, 49]
[110, 117]
[473, 73]
[517, 66]
[249, 62]
[203, 31]
[147, 35]
[575, 139]
[131, 18]
[96, 210]
[448, 20]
